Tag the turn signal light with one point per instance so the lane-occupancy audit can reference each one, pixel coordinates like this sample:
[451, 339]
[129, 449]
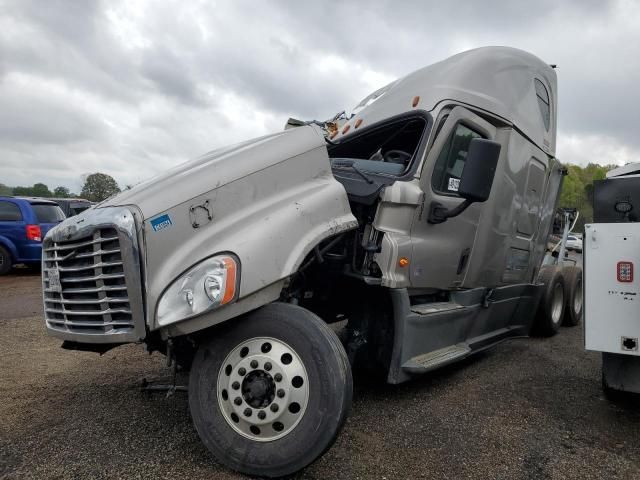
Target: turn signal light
[403, 262]
[34, 233]
[230, 287]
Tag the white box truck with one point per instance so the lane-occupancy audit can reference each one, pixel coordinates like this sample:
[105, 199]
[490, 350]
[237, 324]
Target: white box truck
[612, 279]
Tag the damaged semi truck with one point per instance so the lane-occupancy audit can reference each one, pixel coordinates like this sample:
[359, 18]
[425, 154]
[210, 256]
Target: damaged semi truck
[421, 221]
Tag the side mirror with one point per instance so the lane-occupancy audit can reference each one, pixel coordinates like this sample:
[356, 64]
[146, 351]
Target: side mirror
[476, 181]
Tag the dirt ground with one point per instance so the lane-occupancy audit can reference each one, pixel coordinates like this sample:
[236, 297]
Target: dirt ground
[529, 408]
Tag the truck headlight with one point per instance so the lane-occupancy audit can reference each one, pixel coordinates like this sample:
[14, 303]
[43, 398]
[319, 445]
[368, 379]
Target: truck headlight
[208, 285]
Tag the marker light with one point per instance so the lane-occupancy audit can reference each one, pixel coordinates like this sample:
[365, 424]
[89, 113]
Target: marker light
[403, 262]
[210, 284]
[625, 272]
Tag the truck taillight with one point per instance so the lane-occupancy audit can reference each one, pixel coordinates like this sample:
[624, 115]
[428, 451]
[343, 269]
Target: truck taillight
[34, 233]
[625, 272]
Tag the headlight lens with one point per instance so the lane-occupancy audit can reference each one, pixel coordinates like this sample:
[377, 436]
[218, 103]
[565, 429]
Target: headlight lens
[210, 284]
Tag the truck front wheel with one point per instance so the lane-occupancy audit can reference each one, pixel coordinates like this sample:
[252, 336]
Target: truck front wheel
[270, 394]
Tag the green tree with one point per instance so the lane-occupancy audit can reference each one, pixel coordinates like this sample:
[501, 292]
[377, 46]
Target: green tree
[577, 190]
[98, 187]
[41, 190]
[61, 192]
[23, 191]
[37, 190]
[4, 190]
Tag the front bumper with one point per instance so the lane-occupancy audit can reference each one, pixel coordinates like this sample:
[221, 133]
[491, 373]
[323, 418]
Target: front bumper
[91, 278]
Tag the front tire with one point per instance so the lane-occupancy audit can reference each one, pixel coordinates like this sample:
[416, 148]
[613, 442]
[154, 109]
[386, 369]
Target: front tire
[270, 394]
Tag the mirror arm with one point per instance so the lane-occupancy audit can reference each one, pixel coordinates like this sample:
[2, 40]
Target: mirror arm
[438, 213]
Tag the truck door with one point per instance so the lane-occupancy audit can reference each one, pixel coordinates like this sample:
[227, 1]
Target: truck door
[441, 251]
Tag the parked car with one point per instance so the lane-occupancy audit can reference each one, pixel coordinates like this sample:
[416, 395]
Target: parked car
[72, 206]
[574, 243]
[23, 224]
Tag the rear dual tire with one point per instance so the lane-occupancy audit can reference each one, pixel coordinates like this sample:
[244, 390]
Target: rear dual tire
[561, 302]
[280, 355]
[552, 304]
[574, 296]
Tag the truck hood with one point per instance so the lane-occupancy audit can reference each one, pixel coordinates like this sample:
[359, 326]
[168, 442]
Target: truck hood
[215, 169]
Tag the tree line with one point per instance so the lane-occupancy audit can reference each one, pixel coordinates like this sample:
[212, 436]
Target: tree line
[577, 190]
[97, 187]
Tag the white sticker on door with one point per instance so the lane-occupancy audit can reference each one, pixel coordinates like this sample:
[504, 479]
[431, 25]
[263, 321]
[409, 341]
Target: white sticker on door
[454, 184]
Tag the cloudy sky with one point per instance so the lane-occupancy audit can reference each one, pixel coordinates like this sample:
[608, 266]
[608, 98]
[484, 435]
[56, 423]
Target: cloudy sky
[131, 88]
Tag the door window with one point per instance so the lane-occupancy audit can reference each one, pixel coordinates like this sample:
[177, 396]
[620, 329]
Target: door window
[9, 212]
[450, 163]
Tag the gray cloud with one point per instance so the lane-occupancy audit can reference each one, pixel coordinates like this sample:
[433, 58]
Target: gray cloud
[131, 88]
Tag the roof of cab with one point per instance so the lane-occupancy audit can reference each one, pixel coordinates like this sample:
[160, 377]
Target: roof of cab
[499, 80]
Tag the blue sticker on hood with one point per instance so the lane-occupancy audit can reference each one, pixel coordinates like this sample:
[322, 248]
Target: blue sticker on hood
[160, 223]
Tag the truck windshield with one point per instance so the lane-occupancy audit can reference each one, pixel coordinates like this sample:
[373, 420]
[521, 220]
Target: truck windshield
[48, 213]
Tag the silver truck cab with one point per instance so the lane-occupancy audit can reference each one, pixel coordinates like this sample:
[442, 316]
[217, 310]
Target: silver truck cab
[420, 221]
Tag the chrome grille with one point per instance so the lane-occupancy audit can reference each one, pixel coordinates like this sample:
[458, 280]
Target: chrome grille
[93, 298]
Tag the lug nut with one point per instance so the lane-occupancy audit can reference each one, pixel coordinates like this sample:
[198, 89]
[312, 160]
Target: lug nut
[274, 407]
[242, 371]
[261, 415]
[247, 412]
[254, 364]
[235, 385]
[267, 366]
[277, 377]
[237, 400]
[280, 393]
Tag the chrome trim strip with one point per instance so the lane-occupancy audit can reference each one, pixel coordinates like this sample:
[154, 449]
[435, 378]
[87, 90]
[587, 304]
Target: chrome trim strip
[102, 276]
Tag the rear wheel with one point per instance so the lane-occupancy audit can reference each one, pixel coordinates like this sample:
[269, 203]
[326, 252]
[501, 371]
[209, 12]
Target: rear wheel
[270, 395]
[573, 287]
[552, 304]
[5, 261]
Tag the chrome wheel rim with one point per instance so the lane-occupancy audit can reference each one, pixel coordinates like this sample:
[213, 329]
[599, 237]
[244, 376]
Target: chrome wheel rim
[263, 389]
[556, 306]
[577, 298]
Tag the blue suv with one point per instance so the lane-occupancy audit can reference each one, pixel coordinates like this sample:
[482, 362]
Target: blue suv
[23, 224]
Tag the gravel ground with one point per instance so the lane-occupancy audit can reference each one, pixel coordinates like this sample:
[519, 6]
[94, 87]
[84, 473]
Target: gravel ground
[529, 408]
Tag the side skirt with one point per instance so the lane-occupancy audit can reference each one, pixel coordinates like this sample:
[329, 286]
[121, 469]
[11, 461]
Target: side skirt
[432, 335]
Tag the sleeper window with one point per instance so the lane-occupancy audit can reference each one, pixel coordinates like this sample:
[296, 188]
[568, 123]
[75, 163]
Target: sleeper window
[543, 103]
[451, 160]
